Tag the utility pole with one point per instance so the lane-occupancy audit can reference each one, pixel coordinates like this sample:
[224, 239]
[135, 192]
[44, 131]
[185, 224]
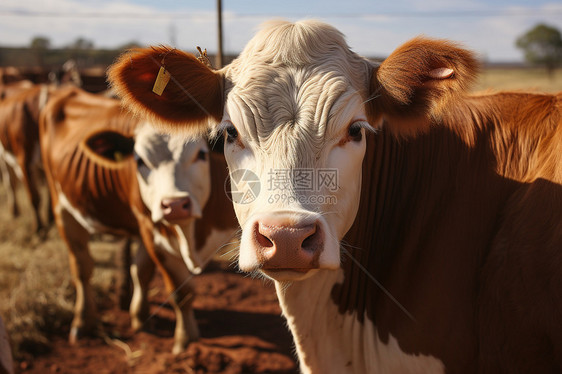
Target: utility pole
[219, 57]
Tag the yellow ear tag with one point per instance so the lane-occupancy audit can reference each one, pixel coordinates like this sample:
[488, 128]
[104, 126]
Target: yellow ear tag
[161, 81]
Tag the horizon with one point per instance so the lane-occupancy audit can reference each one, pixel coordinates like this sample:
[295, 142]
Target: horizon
[374, 30]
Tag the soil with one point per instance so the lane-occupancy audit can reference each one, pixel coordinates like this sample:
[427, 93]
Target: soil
[241, 329]
[240, 322]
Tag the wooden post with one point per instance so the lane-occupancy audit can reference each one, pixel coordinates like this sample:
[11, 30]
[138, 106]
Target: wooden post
[219, 58]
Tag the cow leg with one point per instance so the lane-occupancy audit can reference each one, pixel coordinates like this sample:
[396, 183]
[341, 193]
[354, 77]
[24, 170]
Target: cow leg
[182, 295]
[81, 267]
[124, 277]
[9, 180]
[30, 185]
[177, 280]
[142, 272]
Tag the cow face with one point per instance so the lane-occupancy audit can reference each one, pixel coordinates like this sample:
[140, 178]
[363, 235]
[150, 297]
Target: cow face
[173, 175]
[294, 108]
[300, 133]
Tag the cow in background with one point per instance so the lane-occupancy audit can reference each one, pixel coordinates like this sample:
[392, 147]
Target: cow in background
[6, 360]
[20, 104]
[454, 224]
[19, 145]
[109, 173]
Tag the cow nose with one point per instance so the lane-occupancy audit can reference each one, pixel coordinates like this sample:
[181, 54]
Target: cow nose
[294, 247]
[176, 209]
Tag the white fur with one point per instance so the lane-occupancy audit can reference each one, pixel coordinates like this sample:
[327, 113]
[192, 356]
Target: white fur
[292, 95]
[172, 171]
[11, 161]
[306, 139]
[88, 223]
[330, 342]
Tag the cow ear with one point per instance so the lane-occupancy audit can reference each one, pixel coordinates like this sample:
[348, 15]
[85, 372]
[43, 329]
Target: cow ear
[413, 86]
[109, 145]
[191, 99]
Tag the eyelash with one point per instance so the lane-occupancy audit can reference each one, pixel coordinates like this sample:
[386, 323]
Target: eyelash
[231, 133]
[201, 155]
[354, 132]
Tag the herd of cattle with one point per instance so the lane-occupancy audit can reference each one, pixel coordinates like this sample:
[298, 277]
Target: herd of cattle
[439, 249]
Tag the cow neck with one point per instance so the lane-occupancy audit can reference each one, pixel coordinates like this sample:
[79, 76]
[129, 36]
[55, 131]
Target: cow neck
[313, 320]
[412, 236]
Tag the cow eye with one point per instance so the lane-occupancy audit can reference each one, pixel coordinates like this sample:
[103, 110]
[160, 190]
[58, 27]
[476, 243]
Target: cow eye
[140, 162]
[231, 133]
[201, 155]
[354, 132]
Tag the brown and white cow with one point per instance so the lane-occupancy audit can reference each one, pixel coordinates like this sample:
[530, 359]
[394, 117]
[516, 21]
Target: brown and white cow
[20, 104]
[434, 246]
[163, 194]
[19, 142]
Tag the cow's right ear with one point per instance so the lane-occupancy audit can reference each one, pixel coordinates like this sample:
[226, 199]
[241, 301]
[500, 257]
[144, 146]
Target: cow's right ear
[191, 98]
[109, 146]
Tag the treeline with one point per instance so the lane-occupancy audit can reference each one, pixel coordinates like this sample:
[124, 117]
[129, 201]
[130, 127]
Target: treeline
[54, 58]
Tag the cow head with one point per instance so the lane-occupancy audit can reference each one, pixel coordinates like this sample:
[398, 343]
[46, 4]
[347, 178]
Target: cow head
[173, 175]
[294, 108]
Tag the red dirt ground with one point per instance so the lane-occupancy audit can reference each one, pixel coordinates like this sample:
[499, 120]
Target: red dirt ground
[241, 328]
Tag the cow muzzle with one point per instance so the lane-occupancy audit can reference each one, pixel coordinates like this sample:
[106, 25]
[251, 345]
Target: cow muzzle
[282, 243]
[177, 209]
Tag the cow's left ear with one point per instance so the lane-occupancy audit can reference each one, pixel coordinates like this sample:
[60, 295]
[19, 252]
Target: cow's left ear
[190, 95]
[414, 85]
[109, 146]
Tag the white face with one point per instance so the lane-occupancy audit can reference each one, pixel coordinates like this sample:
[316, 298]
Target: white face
[173, 175]
[302, 136]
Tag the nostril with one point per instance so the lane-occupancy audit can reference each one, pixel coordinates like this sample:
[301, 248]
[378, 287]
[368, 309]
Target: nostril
[261, 233]
[310, 243]
[176, 208]
[264, 241]
[164, 204]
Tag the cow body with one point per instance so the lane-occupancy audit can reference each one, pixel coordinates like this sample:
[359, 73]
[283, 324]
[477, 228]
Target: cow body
[6, 361]
[440, 249]
[19, 142]
[97, 186]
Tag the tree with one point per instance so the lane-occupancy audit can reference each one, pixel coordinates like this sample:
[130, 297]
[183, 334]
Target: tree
[40, 42]
[39, 46]
[542, 46]
[81, 44]
[130, 45]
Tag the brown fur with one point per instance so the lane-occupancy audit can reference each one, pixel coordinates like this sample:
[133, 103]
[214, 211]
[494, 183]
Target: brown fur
[194, 90]
[463, 225]
[19, 134]
[404, 92]
[460, 217]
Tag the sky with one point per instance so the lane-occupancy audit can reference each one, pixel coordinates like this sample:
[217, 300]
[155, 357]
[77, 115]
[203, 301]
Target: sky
[372, 28]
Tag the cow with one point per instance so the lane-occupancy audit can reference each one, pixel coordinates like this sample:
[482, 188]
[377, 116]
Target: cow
[431, 240]
[6, 361]
[19, 143]
[108, 172]
[10, 89]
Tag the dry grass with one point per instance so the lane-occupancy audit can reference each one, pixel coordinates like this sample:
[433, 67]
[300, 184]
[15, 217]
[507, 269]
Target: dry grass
[36, 291]
[533, 79]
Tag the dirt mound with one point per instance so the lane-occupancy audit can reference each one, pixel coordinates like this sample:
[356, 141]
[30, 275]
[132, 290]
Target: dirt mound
[241, 332]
